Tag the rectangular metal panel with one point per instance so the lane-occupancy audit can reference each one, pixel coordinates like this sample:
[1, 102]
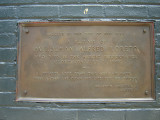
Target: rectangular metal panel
[85, 62]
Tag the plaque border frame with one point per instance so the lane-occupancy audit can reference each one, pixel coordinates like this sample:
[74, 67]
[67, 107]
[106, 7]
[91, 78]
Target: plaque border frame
[86, 100]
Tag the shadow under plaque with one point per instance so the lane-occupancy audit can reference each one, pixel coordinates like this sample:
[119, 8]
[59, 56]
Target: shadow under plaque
[86, 62]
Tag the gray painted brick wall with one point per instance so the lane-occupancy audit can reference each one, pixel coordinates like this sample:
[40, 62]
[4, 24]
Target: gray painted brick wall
[15, 11]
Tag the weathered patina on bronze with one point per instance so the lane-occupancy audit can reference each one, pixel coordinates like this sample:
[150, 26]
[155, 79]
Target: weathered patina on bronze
[85, 62]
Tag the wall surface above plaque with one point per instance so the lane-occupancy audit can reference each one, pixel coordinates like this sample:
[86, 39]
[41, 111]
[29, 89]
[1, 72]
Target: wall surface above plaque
[85, 62]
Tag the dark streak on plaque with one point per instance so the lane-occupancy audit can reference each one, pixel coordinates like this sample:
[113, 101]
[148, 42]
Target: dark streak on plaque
[86, 62]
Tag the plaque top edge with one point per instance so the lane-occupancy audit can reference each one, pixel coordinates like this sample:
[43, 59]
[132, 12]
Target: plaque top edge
[85, 23]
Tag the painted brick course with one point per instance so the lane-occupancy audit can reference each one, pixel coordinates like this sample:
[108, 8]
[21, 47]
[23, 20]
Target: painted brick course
[126, 11]
[157, 26]
[8, 40]
[8, 26]
[158, 55]
[78, 11]
[7, 70]
[157, 41]
[7, 99]
[142, 1]
[145, 115]
[7, 84]
[101, 115]
[8, 55]
[154, 11]
[38, 114]
[8, 12]
[17, 2]
[37, 11]
[158, 70]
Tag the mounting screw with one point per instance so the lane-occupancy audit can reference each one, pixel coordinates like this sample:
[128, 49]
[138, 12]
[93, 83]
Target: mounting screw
[146, 92]
[144, 30]
[25, 92]
[26, 30]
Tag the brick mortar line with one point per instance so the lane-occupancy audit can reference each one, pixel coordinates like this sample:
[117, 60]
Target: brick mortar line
[8, 63]
[77, 19]
[1, 92]
[109, 3]
[80, 109]
[7, 78]
[83, 4]
[112, 18]
[157, 33]
[157, 63]
[8, 48]
[7, 33]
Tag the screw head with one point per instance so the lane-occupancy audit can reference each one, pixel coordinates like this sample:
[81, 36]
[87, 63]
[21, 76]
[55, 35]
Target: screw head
[146, 92]
[26, 30]
[144, 30]
[25, 92]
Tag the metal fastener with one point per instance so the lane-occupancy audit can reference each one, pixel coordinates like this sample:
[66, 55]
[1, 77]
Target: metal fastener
[26, 30]
[25, 92]
[144, 31]
[146, 92]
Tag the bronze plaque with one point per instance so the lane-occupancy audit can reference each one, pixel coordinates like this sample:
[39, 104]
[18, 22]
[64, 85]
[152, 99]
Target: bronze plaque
[85, 62]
